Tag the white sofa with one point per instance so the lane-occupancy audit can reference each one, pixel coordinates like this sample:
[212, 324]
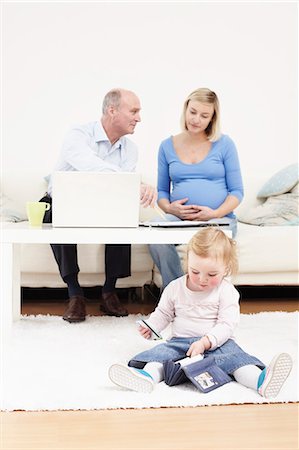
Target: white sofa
[268, 255]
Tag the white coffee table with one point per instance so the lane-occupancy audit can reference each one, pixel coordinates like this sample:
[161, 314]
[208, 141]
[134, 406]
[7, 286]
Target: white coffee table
[12, 235]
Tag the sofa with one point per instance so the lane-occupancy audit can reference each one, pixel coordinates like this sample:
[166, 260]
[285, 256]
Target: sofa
[268, 255]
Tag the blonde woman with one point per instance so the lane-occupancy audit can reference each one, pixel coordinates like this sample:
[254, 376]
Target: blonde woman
[199, 175]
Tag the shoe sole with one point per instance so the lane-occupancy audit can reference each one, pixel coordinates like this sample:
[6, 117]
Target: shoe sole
[109, 313]
[127, 378]
[277, 372]
[74, 320]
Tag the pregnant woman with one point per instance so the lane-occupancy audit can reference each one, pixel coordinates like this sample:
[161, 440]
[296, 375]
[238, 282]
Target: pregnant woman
[199, 175]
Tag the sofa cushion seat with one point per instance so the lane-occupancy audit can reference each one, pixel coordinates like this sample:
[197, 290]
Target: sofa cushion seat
[267, 255]
[267, 249]
[39, 269]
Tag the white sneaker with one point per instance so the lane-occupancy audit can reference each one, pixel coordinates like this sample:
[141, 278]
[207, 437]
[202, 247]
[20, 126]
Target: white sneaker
[130, 378]
[276, 374]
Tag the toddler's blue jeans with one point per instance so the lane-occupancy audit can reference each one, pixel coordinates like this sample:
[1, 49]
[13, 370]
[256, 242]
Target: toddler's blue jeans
[229, 357]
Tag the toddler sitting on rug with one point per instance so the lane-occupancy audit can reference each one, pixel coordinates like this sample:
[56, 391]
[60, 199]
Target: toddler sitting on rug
[203, 309]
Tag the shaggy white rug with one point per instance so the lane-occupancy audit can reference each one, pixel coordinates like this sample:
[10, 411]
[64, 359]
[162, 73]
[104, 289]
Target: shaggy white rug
[54, 365]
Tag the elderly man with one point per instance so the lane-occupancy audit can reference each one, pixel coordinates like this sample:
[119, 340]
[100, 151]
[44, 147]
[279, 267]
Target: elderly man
[100, 146]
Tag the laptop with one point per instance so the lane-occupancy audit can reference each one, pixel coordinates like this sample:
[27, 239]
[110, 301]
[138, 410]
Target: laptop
[95, 199]
[222, 222]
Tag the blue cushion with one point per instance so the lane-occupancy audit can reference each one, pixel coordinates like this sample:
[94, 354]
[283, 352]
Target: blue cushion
[282, 182]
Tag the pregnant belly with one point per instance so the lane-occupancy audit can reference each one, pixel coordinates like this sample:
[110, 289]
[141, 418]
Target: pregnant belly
[208, 193]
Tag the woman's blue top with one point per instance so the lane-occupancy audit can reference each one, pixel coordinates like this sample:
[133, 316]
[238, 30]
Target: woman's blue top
[206, 183]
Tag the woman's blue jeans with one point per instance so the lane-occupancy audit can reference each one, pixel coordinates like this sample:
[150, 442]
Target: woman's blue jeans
[166, 257]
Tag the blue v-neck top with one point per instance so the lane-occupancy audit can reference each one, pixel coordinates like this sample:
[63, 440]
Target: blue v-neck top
[206, 183]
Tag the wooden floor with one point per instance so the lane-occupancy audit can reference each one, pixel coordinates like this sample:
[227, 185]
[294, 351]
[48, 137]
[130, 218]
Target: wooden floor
[273, 426]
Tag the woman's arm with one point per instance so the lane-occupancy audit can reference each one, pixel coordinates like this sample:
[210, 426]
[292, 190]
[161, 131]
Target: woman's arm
[176, 208]
[163, 175]
[233, 179]
[206, 213]
[229, 204]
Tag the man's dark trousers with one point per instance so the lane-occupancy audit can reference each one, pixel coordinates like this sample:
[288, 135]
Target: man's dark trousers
[117, 257]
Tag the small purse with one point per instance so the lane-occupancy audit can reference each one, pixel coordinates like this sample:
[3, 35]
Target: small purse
[204, 374]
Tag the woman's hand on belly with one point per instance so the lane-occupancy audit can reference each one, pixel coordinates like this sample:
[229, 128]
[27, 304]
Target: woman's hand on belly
[205, 213]
[184, 212]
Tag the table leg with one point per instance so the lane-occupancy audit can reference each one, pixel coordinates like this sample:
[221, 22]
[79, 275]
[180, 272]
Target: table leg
[10, 301]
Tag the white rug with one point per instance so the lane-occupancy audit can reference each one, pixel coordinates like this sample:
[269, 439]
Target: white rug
[53, 365]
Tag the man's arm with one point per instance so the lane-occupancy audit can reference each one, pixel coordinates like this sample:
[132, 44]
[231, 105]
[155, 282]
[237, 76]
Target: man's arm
[148, 195]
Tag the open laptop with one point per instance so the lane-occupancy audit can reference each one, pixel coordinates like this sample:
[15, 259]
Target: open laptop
[95, 199]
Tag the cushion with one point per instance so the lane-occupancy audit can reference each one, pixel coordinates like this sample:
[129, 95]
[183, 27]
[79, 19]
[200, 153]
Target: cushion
[277, 210]
[281, 182]
[10, 211]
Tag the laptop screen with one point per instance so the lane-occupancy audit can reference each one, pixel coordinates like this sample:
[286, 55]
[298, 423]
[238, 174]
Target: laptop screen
[95, 199]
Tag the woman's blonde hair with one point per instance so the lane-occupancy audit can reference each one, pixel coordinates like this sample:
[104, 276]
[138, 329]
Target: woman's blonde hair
[205, 95]
[212, 242]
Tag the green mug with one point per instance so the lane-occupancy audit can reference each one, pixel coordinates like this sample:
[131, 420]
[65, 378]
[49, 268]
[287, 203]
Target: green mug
[36, 212]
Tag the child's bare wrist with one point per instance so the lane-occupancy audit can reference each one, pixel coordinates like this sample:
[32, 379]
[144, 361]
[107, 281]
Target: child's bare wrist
[206, 342]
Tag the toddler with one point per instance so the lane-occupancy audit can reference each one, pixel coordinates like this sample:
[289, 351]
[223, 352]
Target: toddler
[203, 309]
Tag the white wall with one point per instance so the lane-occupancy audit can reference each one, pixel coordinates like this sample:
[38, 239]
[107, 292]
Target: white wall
[59, 59]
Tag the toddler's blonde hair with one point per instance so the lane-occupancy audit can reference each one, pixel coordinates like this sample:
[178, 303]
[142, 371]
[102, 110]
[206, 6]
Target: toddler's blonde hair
[211, 242]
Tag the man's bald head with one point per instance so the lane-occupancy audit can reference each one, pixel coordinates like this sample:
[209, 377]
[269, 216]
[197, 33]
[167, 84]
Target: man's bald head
[114, 97]
[121, 113]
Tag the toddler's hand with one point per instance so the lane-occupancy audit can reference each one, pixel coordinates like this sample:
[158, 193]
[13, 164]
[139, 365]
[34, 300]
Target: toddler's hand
[145, 332]
[199, 347]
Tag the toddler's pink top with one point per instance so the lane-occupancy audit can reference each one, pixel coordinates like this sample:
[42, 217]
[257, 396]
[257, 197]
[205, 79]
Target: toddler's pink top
[214, 313]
